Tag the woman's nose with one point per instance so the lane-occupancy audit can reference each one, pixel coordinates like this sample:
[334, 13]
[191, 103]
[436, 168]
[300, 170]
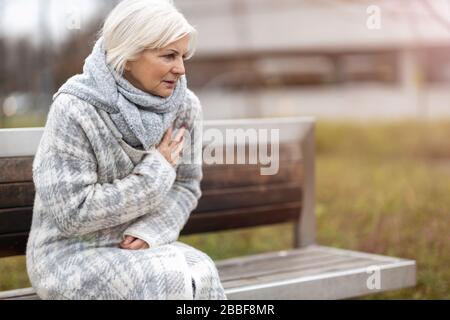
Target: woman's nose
[179, 67]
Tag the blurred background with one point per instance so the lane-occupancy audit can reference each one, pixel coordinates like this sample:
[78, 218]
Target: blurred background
[375, 74]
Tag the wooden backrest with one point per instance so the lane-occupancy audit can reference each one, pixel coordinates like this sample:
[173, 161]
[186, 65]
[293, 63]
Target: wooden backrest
[233, 195]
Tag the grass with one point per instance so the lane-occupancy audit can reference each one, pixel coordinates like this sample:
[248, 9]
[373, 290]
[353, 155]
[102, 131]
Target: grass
[23, 121]
[381, 188]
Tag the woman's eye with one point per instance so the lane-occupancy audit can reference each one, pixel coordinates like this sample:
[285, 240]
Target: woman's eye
[172, 56]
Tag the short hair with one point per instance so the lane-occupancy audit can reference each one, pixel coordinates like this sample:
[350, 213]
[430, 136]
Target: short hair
[136, 25]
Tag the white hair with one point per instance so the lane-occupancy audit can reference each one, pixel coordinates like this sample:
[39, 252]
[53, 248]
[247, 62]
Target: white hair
[136, 25]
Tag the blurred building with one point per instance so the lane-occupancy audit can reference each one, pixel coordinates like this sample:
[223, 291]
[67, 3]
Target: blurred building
[321, 57]
[262, 58]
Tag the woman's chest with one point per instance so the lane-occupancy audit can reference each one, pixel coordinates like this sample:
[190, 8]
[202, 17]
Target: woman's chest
[114, 157]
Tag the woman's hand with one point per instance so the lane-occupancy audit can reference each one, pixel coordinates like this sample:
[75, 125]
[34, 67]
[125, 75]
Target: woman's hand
[132, 243]
[171, 149]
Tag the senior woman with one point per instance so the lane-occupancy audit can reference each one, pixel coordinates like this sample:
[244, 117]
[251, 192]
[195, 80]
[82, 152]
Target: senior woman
[111, 192]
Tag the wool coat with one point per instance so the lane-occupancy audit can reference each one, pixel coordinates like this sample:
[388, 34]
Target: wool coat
[92, 189]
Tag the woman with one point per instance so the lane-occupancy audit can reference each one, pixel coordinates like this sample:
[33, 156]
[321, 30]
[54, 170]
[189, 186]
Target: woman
[111, 192]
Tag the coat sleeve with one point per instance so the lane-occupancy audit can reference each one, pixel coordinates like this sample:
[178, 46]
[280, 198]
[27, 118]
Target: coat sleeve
[164, 224]
[66, 181]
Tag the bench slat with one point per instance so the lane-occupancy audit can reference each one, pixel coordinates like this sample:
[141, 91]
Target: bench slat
[223, 199]
[306, 261]
[19, 294]
[242, 218]
[15, 243]
[325, 280]
[230, 176]
[15, 220]
[342, 276]
[18, 169]
[300, 262]
[22, 195]
[248, 265]
[18, 220]
[300, 266]
[17, 194]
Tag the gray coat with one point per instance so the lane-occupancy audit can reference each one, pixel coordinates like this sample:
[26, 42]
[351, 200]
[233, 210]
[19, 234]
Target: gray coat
[92, 189]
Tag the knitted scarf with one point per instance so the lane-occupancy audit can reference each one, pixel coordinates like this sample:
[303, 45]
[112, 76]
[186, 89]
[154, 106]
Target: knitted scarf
[141, 117]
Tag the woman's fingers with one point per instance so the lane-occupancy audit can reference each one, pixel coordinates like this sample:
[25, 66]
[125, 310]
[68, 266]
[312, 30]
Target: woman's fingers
[135, 245]
[179, 145]
[138, 244]
[175, 154]
[128, 240]
[167, 136]
[171, 148]
[179, 135]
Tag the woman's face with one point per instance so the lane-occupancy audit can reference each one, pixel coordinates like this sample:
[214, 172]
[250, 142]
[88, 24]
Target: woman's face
[157, 71]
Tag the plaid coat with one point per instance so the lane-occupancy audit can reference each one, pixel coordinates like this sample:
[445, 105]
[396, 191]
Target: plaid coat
[92, 189]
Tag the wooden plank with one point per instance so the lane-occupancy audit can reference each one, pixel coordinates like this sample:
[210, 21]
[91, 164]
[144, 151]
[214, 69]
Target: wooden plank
[244, 264]
[347, 283]
[18, 220]
[331, 280]
[15, 220]
[258, 195]
[19, 142]
[215, 176]
[231, 262]
[334, 266]
[295, 268]
[242, 218]
[242, 268]
[358, 254]
[17, 169]
[24, 141]
[19, 294]
[13, 244]
[309, 251]
[305, 233]
[298, 262]
[20, 194]
[229, 176]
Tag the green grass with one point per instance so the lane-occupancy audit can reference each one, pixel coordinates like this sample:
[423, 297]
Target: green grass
[23, 121]
[381, 188]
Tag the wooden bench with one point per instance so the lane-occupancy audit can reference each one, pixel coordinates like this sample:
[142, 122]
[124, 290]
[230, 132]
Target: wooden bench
[234, 196]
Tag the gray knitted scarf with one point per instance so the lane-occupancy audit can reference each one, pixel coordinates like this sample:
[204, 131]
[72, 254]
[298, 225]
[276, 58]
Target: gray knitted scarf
[141, 117]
